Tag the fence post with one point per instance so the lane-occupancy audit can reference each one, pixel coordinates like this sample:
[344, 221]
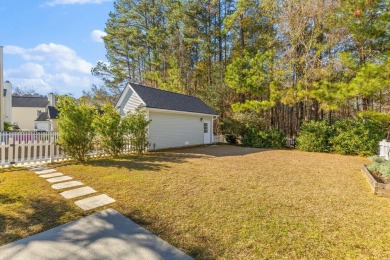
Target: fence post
[11, 151]
[51, 149]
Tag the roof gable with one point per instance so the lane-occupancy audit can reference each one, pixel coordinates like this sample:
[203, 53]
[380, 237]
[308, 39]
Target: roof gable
[42, 117]
[18, 101]
[162, 99]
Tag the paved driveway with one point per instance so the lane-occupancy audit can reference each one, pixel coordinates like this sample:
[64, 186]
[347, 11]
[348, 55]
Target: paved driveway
[104, 235]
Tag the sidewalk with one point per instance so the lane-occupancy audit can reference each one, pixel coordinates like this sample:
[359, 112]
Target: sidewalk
[104, 235]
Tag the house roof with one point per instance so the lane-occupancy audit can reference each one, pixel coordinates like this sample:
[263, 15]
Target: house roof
[42, 117]
[162, 99]
[53, 112]
[18, 101]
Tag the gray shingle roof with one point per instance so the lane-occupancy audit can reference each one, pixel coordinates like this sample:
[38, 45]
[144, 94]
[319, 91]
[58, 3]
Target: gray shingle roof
[42, 117]
[53, 112]
[161, 99]
[18, 101]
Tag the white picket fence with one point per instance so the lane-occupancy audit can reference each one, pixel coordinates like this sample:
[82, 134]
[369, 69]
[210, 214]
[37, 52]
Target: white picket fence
[15, 152]
[22, 148]
[28, 136]
[384, 149]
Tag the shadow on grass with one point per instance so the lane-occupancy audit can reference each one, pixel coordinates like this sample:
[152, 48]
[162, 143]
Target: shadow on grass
[223, 150]
[37, 215]
[154, 161]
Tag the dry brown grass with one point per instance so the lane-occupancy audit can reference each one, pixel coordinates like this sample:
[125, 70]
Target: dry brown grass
[234, 202]
[221, 202]
[28, 205]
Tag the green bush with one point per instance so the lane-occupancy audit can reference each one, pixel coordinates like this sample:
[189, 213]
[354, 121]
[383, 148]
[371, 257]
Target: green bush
[356, 137]
[314, 136]
[7, 126]
[242, 127]
[110, 129]
[271, 138]
[75, 124]
[249, 136]
[136, 127]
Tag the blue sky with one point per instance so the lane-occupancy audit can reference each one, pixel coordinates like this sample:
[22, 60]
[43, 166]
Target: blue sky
[51, 45]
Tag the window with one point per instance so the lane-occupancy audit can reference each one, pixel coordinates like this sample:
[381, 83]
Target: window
[205, 128]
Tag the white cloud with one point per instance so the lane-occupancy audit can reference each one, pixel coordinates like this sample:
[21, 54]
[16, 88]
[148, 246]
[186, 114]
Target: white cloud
[74, 2]
[50, 67]
[96, 35]
[54, 55]
[28, 71]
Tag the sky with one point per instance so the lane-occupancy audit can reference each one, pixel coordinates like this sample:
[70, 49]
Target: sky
[51, 45]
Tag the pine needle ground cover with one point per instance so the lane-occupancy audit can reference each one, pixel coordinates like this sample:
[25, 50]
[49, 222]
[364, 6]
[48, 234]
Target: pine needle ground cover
[28, 205]
[235, 202]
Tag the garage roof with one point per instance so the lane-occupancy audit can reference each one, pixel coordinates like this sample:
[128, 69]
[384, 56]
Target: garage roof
[162, 99]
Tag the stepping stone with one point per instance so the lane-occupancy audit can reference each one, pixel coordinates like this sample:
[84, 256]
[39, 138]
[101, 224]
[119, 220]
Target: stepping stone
[38, 169]
[70, 194]
[64, 185]
[59, 179]
[51, 175]
[94, 202]
[46, 171]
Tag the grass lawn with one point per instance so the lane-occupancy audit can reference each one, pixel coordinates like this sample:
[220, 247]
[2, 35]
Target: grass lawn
[234, 202]
[28, 205]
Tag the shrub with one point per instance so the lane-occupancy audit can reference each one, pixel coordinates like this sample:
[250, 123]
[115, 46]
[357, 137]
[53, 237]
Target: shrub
[356, 137]
[271, 138]
[231, 139]
[314, 136]
[384, 169]
[380, 165]
[75, 124]
[7, 126]
[376, 158]
[250, 136]
[243, 126]
[110, 129]
[136, 126]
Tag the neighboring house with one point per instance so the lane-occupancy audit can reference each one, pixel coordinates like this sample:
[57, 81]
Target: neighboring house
[176, 120]
[25, 110]
[47, 121]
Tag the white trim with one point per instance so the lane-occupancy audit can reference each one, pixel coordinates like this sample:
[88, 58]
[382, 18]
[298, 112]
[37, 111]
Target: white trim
[124, 93]
[177, 112]
[129, 85]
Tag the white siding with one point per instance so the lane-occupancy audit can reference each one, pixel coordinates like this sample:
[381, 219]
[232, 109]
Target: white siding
[130, 102]
[25, 116]
[175, 130]
[42, 125]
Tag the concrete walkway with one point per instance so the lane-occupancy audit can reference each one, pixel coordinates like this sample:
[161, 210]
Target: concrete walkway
[103, 235]
[62, 182]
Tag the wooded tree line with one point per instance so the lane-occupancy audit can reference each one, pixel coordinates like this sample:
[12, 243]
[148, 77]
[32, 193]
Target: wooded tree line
[284, 61]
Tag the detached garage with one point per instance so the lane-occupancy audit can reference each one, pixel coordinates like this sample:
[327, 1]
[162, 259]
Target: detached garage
[176, 120]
